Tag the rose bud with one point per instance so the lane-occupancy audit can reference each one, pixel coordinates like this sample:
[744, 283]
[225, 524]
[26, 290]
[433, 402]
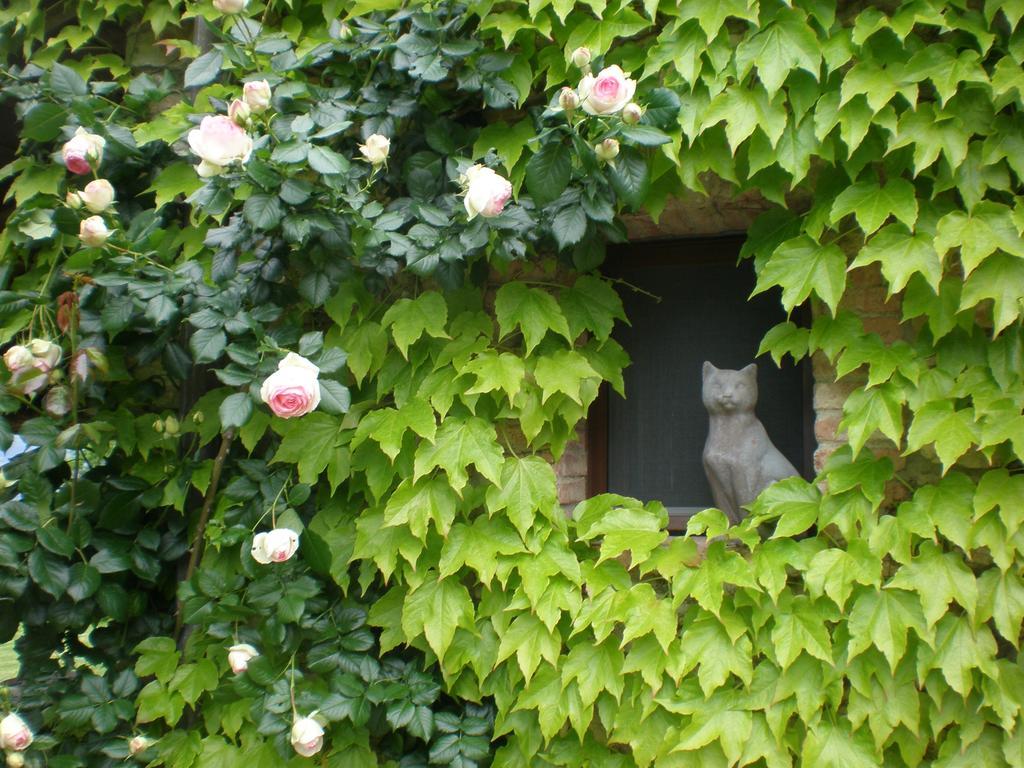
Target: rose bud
[344, 31]
[568, 100]
[18, 357]
[631, 113]
[257, 95]
[230, 6]
[15, 760]
[581, 58]
[376, 149]
[607, 150]
[73, 200]
[219, 142]
[83, 152]
[239, 113]
[139, 744]
[486, 192]
[14, 733]
[93, 231]
[239, 657]
[307, 736]
[45, 353]
[57, 402]
[171, 425]
[293, 389]
[275, 546]
[607, 93]
[97, 195]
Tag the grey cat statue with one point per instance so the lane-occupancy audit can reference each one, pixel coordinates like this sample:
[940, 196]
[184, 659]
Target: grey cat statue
[740, 459]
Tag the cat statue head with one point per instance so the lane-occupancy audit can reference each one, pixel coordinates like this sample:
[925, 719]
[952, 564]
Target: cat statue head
[728, 391]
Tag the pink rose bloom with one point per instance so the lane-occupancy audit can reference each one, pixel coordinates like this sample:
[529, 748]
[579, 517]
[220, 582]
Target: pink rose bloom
[83, 152]
[292, 390]
[276, 546]
[307, 736]
[486, 192]
[607, 93]
[219, 142]
[256, 95]
[14, 733]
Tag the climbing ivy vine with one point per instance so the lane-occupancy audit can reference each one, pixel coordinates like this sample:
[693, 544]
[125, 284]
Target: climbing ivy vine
[352, 208]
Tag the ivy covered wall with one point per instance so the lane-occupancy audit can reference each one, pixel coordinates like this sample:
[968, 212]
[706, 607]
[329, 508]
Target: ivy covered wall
[274, 369]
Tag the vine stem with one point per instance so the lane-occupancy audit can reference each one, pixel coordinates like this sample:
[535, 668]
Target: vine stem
[204, 516]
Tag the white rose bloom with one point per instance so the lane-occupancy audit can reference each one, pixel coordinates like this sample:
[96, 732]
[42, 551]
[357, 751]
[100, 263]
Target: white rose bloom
[18, 357]
[46, 351]
[239, 657]
[486, 192]
[607, 150]
[257, 95]
[376, 149]
[230, 6]
[219, 142]
[97, 196]
[307, 736]
[139, 744]
[275, 546]
[93, 231]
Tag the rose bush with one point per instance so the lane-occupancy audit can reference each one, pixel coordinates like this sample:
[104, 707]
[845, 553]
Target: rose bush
[442, 609]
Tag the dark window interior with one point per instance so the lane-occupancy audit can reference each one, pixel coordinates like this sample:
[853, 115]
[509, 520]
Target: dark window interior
[650, 443]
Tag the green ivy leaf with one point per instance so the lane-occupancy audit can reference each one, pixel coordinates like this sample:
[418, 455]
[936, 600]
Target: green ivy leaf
[527, 486]
[939, 579]
[869, 410]
[872, 204]
[435, 609]
[460, 443]
[564, 371]
[533, 310]
[835, 571]
[416, 504]
[882, 618]
[786, 44]
[1001, 279]
[706, 643]
[800, 628]
[901, 255]
[495, 371]
[800, 266]
[952, 431]
[409, 319]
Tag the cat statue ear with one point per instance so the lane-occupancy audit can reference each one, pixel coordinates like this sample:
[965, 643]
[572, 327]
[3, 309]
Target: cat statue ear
[708, 369]
[750, 371]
